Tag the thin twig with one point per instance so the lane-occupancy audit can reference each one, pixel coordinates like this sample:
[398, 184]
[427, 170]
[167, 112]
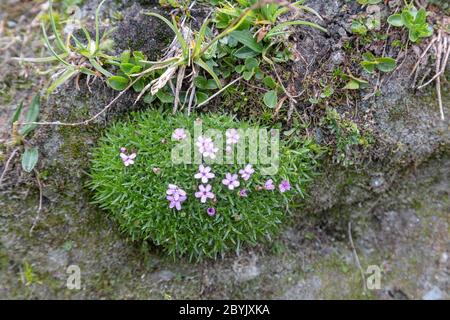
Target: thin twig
[355, 254]
[13, 153]
[218, 92]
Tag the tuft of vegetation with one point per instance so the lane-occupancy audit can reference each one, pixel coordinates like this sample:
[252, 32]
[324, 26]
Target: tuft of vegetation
[348, 136]
[132, 187]
[414, 20]
[73, 55]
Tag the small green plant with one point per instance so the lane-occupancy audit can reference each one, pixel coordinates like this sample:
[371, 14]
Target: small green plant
[28, 277]
[74, 57]
[135, 180]
[347, 136]
[362, 25]
[414, 20]
[384, 64]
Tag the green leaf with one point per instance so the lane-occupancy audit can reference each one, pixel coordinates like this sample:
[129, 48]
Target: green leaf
[69, 73]
[139, 85]
[149, 98]
[395, 20]
[165, 97]
[245, 37]
[99, 68]
[17, 113]
[58, 39]
[369, 66]
[201, 97]
[125, 56]
[97, 25]
[245, 52]
[118, 83]
[365, 2]
[271, 99]
[205, 84]
[352, 85]
[368, 56]
[358, 28]
[270, 82]
[421, 17]
[251, 63]
[208, 69]
[407, 19]
[32, 116]
[248, 74]
[386, 64]
[278, 28]
[29, 159]
[200, 38]
[239, 68]
[129, 68]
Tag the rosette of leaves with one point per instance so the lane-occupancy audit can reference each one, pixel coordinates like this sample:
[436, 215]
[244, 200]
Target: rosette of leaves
[414, 20]
[135, 195]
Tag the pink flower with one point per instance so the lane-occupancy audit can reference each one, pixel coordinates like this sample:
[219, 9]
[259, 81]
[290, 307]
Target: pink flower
[176, 203]
[204, 193]
[179, 134]
[284, 186]
[127, 159]
[204, 173]
[176, 196]
[243, 193]
[211, 212]
[175, 192]
[269, 185]
[206, 147]
[123, 149]
[232, 136]
[246, 172]
[231, 181]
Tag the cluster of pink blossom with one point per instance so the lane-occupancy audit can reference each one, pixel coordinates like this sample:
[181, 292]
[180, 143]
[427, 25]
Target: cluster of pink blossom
[176, 196]
[206, 147]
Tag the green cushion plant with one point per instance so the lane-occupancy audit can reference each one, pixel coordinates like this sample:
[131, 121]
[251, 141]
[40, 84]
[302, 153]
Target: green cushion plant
[135, 180]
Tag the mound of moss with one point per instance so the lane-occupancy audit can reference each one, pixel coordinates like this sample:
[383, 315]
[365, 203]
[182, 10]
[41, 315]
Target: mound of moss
[177, 204]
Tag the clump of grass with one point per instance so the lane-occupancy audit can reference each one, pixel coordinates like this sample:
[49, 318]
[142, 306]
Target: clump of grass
[135, 195]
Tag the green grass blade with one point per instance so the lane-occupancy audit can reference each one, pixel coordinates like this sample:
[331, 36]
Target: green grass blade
[173, 27]
[97, 23]
[69, 73]
[59, 41]
[200, 38]
[277, 29]
[42, 60]
[99, 68]
[47, 42]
